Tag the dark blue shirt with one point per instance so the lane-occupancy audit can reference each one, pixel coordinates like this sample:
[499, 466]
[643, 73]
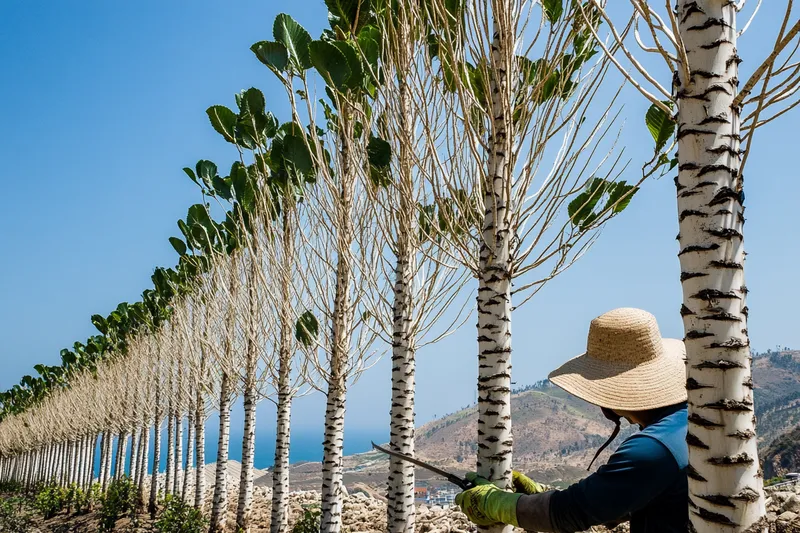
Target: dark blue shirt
[644, 482]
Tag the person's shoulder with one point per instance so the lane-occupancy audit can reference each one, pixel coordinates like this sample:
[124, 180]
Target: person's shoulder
[670, 432]
[642, 447]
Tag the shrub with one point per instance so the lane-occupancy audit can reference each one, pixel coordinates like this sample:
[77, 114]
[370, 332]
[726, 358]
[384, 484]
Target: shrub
[177, 516]
[310, 521]
[119, 501]
[12, 487]
[50, 500]
[14, 518]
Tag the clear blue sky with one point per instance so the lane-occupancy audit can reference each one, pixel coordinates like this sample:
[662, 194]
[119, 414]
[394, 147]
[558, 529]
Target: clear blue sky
[102, 103]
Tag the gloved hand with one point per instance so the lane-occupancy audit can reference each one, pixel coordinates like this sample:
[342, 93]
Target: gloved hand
[525, 485]
[487, 505]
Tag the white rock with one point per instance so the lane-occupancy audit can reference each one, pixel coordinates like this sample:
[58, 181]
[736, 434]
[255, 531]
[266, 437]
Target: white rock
[792, 504]
[788, 516]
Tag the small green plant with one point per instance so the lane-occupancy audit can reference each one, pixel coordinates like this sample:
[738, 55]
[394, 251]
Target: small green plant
[119, 501]
[177, 516]
[50, 500]
[310, 521]
[11, 487]
[14, 517]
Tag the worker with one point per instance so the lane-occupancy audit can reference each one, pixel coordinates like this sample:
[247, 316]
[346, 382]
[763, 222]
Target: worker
[630, 372]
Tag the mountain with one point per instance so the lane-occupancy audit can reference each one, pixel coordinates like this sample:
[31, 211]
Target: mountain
[556, 434]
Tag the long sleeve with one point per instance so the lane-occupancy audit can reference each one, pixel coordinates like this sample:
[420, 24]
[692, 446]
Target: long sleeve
[641, 469]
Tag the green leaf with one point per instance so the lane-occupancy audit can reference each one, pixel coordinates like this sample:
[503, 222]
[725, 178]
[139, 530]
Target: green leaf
[272, 54]
[331, 63]
[379, 154]
[660, 124]
[581, 208]
[553, 9]
[356, 77]
[619, 196]
[206, 170]
[296, 154]
[224, 121]
[189, 172]
[222, 186]
[178, 244]
[306, 329]
[295, 38]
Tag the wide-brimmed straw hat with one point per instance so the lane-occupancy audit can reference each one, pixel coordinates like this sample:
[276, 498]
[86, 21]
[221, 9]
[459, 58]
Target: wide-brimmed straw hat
[627, 365]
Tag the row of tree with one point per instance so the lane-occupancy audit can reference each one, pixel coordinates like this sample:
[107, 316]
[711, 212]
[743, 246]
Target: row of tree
[350, 229]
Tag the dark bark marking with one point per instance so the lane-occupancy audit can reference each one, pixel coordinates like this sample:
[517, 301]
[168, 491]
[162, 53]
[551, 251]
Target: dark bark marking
[714, 294]
[731, 460]
[692, 473]
[698, 420]
[693, 384]
[722, 364]
[699, 248]
[736, 406]
[694, 440]
[716, 518]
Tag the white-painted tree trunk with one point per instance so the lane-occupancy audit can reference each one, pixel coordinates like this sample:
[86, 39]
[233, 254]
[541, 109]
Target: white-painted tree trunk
[143, 460]
[159, 418]
[122, 447]
[333, 440]
[219, 506]
[187, 478]
[725, 483]
[135, 436]
[245, 500]
[280, 468]
[176, 481]
[401, 512]
[200, 451]
[170, 471]
[495, 269]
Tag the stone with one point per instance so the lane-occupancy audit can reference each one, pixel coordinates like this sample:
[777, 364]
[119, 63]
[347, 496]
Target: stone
[787, 516]
[792, 504]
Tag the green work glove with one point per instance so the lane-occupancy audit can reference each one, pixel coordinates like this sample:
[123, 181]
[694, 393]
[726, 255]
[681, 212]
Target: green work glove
[487, 505]
[525, 485]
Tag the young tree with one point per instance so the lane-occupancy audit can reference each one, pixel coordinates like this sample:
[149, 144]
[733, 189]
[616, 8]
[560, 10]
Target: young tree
[500, 105]
[699, 43]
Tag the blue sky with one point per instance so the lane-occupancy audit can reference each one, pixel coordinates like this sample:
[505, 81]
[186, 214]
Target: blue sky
[102, 104]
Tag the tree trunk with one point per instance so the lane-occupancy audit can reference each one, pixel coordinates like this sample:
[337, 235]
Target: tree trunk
[122, 446]
[152, 502]
[245, 501]
[176, 481]
[495, 270]
[135, 437]
[189, 455]
[219, 508]
[401, 512]
[144, 441]
[331, 520]
[725, 483]
[170, 472]
[280, 468]
[200, 452]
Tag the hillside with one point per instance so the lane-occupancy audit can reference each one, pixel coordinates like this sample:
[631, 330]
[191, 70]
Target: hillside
[556, 434]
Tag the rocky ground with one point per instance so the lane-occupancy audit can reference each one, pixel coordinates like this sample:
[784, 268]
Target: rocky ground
[365, 512]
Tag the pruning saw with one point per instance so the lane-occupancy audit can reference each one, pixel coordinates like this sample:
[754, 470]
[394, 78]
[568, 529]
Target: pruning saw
[465, 484]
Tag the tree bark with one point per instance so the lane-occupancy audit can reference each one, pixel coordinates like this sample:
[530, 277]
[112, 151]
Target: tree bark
[332, 492]
[176, 481]
[170, 471]
[725, 483]
[401, 512]
[280, 468]
[495, 269]
[200, 452]
[189, 456]
[219, 508]
[152, 506]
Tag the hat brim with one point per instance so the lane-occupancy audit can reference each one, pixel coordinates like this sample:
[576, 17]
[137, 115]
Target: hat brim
[650, 385]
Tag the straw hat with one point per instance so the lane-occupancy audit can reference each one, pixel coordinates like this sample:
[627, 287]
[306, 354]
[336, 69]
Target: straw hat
[627, 365]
